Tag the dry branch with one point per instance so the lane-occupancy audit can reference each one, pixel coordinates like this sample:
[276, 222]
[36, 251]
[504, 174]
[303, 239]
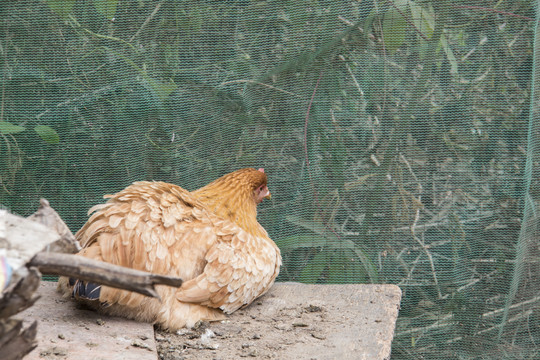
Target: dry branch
[102, 273]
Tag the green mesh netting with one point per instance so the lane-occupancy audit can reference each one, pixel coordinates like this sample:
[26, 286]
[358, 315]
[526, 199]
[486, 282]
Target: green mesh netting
[399, 138]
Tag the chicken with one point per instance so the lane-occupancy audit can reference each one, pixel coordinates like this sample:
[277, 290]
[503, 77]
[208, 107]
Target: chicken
[209, 237]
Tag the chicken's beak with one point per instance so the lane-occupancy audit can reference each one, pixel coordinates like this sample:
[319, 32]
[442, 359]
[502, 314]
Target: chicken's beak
[263, 193]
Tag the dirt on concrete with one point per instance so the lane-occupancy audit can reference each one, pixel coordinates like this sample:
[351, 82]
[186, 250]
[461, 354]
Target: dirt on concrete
[293, 321]
[248, 335]
[296, 321]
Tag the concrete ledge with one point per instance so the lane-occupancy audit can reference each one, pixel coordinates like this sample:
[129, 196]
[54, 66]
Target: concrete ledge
[293, 321]
[357, 321]
[67, 332]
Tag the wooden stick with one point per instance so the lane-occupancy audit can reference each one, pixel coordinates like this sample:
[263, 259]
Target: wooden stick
[102, 273]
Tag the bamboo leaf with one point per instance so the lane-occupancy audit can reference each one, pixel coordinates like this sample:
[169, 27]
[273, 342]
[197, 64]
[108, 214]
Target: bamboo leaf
[314, 226]
[327, 240]
[423, 19]
[9, 128]
[295, 242]
[312, 272]
[47, 134]
[449, 55]
[61, 7]
[160, 88]
[106, 8]
[394, 29]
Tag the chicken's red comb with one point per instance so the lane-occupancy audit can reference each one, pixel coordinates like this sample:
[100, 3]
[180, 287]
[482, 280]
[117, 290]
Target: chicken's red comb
[261, 170]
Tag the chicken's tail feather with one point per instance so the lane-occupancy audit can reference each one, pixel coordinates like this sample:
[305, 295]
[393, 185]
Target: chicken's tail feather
[84, 290]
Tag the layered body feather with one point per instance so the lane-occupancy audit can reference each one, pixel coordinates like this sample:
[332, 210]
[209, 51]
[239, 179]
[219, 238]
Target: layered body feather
[210, 238]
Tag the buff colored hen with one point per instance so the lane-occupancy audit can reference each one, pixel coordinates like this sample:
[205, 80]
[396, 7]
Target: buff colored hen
[209, 237]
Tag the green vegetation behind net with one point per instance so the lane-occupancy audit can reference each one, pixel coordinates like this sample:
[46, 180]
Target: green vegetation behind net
[399, 138]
